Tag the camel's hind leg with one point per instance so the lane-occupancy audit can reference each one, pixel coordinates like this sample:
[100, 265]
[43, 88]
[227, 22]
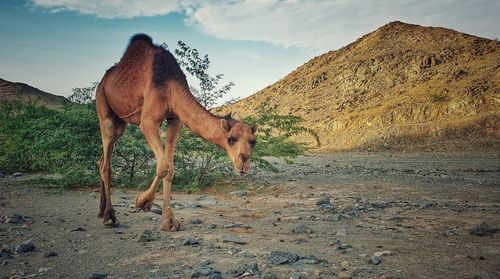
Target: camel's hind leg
[111, 129]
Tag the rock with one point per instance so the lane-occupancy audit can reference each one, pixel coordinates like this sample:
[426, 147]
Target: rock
[233, 238]
[236, 225]
[17, 174]
[146, 236]
[204, 271]
[296, 275]
[196, 221]
[302, 229]
[269, 275]
[211, 226]
[345, 275]
[280, 257]
[450, 232]
[216, 275]
[99, 276]
[43, 269]
[239, 193]
[341, 232]
[381, 254]
[344, 246]
[483, 230]
[78, 230]
[156, 209]
[25, 247]
[50, 254]
[233, 250]
[190, 241]
[246, 270]
[376, 260]
[14, 219]
[325, 200]
[326, 207]
[344, 264]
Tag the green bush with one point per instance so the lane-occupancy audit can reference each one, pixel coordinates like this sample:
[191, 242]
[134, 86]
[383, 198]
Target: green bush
[67, 142]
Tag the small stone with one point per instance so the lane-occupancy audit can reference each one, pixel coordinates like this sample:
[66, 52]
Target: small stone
[43, 269]
[239, 193]
[279, 257]
[376, 260]
[268, 275]
[483, 230]
[99, 276]
[17, 174]
[25, 247]
[14, 219]
[196, 221]
[190, 241]
[146, 236]
[156, 209]
[50, 254]
[341, 232]
[345, 275]
[296, 275]
[482, 258]
[211, 226]
[345, 246]
[325, 200]
[215, 275]
[234, 239]
[302, 229]
[381, 254]
[204, 271]
[344, 264]
[78, 230]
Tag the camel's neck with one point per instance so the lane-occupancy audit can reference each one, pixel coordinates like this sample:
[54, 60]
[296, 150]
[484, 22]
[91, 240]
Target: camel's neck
[197, 118]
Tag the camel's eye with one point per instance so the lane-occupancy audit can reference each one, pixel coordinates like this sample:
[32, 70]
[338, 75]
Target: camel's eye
[252, 143]
[231, 140]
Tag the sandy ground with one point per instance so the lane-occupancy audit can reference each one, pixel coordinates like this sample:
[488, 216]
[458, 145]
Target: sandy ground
[327, 215]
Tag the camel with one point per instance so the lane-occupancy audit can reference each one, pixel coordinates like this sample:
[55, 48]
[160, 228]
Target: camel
[145, 88]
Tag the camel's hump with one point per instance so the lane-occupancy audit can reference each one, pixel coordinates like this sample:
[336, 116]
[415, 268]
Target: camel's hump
[141, 37]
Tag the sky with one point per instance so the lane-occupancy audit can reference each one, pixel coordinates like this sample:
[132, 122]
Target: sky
[57, 45]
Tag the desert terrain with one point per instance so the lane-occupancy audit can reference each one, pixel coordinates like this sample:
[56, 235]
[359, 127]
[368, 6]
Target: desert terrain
[338, 215]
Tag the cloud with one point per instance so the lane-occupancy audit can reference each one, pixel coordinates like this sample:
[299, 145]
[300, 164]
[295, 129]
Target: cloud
[111, 8]
[329, 24]
[317, 25]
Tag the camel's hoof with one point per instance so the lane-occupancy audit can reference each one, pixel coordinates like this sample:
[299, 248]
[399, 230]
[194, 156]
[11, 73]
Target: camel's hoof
[110, 218]
[144, 201]
[171, 225]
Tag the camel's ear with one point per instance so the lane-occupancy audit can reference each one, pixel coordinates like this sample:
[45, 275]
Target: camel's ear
[254, 128]
[225, 125]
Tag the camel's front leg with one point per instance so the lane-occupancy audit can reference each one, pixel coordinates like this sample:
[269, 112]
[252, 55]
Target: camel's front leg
[169, 223]
[168, 220]
[150, 128]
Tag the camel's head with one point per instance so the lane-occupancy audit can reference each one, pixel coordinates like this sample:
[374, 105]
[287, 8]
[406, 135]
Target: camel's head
[240, 140]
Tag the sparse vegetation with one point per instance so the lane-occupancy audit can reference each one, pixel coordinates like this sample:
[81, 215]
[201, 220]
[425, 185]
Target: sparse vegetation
[67, 142]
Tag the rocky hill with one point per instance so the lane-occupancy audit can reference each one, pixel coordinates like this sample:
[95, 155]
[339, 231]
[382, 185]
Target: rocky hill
[401, 87]
[16, 91]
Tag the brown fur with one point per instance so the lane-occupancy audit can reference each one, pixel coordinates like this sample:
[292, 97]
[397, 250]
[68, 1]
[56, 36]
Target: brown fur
[146, 87]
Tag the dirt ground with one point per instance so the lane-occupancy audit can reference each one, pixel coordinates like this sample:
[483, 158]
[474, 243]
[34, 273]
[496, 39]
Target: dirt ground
[323, 217]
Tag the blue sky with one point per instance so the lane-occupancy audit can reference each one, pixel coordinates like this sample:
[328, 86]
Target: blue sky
[56, 45]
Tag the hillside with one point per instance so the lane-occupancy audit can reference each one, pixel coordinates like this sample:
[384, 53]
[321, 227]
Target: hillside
[401, 87]
[16, 91]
